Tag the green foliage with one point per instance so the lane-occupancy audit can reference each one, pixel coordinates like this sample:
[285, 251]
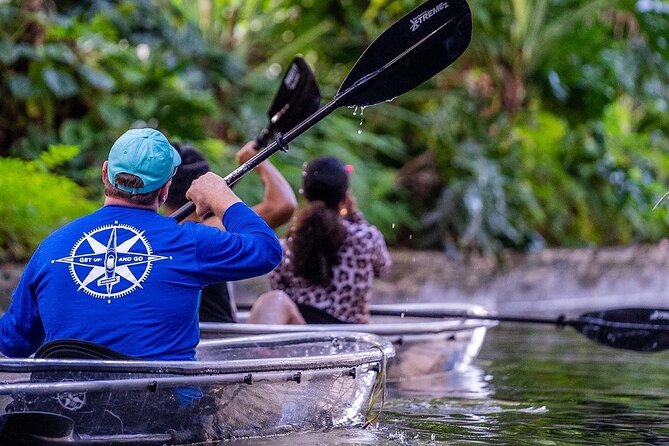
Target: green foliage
[472, 212]
[555, 131]
[36, 201]
[379, 197]
[552, 127]
[84, 75]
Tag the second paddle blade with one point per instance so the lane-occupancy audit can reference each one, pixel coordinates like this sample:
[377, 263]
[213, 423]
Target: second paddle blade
[639, 329]
[297, 98]
[411, 51]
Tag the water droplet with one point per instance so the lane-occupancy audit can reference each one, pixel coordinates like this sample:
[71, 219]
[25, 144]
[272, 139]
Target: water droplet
[355, 111]
[143, 51]
[359, 131]
[393, 226]
[274, 70]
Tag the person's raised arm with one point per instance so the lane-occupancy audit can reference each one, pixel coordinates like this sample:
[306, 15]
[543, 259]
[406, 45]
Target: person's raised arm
[279, 201]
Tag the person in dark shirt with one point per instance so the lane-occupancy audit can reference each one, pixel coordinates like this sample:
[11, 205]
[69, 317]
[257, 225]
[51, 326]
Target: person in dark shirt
[276, 208]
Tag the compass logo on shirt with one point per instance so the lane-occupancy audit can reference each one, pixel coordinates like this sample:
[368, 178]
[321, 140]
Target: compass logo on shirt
[111, 261]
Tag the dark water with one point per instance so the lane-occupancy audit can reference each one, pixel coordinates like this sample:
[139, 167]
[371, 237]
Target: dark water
[530, 385]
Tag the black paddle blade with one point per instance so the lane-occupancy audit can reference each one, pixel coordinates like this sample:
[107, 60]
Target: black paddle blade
[411, 51]
[297, 98]
[639, 329]
[414, 49]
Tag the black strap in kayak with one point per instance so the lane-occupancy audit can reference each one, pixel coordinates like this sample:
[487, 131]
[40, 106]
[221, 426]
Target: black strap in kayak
[78, 349]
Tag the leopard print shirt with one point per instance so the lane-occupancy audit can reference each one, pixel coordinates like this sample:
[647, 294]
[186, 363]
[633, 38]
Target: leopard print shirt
[363, 256]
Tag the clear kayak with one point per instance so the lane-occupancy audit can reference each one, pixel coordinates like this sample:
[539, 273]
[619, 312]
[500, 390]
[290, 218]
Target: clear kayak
[424, 346]
[238, 387]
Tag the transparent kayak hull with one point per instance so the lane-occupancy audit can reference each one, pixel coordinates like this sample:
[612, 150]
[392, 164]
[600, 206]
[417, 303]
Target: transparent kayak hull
[239, 387]
[423, 346]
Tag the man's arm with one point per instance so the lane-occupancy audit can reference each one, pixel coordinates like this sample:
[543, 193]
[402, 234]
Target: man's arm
[21, 330]
[248, 248]
[279, 201]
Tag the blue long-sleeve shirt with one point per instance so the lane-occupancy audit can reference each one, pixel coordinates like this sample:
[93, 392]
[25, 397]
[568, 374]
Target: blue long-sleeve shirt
[130, 279]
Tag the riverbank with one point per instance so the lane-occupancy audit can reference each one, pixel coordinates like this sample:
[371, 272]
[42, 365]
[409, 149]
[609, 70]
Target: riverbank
[551, 280]
[546, 282]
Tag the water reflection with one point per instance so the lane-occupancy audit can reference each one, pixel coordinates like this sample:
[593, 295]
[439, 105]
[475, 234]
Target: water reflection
[335, 437]
[529, 386]
[472, 383]
[538, 386]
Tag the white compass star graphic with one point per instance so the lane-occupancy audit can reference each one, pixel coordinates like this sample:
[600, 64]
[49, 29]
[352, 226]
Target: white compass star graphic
[105, 268]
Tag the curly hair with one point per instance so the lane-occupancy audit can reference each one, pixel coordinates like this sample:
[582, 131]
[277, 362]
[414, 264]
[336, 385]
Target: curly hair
[315, 239]
[318, 233]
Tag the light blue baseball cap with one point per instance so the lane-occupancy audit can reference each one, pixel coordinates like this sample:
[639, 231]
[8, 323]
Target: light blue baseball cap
[146, 153]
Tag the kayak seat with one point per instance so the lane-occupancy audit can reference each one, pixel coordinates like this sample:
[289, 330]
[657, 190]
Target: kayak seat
[103, 411]
[77, 349]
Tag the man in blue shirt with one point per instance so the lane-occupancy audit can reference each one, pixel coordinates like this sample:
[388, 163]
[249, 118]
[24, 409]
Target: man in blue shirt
[128, 278]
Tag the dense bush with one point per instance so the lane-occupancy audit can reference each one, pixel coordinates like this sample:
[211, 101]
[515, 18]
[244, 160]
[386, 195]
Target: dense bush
[83, 73]
[36, 201]
[553, 131]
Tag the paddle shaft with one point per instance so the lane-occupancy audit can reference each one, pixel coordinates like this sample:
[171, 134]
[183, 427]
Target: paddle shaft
[266, 133]
[459, 315]
[281, 141]
[560, 321]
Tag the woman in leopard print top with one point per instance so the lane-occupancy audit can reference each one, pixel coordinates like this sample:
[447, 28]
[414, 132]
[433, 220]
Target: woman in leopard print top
[331, 253]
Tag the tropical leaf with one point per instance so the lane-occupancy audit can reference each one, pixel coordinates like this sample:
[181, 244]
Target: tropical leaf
[61, 83]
